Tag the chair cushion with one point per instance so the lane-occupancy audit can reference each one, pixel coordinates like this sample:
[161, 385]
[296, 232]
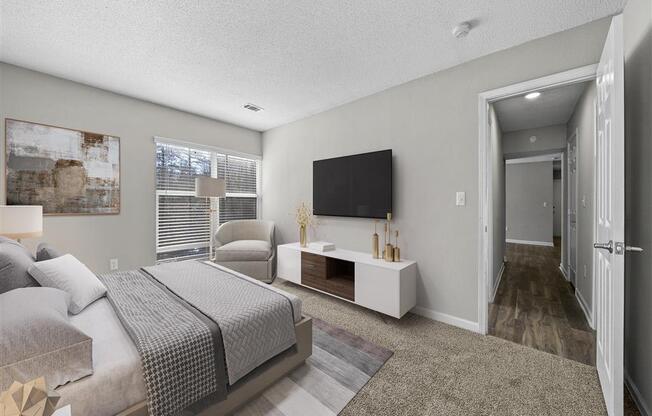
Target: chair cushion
[244, 250]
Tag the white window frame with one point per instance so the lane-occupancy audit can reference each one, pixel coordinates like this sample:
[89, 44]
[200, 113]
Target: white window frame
[214, 203]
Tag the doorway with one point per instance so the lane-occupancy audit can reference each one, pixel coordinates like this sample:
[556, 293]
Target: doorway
[607, 227]
[533, 302]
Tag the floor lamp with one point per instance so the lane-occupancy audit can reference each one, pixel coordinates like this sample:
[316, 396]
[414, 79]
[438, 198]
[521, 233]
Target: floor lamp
[208, 187]
[21, 221]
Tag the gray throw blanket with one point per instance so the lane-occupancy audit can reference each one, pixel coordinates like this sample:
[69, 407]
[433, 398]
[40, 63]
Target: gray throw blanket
[256, 323]
[198, 329]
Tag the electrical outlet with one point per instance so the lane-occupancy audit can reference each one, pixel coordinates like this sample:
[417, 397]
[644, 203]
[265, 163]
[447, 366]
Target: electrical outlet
[113, 264]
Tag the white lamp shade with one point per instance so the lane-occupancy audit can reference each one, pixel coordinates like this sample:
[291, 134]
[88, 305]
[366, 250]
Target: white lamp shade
[21, 221]
[208, 187]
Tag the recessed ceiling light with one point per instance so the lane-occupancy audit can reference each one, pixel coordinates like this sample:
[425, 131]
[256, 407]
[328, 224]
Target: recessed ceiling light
[533, 95]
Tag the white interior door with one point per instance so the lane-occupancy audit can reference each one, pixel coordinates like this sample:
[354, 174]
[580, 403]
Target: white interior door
[609, 259]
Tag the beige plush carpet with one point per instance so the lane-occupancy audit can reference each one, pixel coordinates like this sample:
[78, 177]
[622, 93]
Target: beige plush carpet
[439, 369]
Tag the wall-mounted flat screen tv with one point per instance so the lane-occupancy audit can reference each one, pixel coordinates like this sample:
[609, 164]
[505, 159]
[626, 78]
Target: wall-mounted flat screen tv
[353, 186]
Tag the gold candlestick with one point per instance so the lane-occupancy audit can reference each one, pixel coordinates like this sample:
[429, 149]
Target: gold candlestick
[374, 243]
[389, 249]
[397, 251]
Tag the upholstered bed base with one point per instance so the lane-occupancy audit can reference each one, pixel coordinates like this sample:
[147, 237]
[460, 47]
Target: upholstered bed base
[255, 382]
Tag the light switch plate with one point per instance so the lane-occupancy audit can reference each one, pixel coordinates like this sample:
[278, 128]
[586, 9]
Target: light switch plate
[545, 204]
[113, 264]
[460, 199]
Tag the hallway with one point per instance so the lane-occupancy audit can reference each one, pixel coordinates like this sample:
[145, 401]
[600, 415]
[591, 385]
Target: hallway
[536, 306]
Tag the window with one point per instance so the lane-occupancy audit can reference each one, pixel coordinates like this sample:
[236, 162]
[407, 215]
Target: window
[182, 220]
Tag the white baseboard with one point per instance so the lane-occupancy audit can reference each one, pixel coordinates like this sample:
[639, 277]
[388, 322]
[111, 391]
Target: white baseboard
[564, 272]
[532, 243]
[636, 395]
[447, 319]
[585, 308]
[497, 284]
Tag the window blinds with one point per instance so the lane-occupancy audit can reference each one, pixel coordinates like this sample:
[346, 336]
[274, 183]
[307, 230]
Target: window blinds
[183, 221]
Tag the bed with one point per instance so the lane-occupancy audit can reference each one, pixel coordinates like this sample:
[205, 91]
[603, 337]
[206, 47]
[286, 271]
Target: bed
[118, 384]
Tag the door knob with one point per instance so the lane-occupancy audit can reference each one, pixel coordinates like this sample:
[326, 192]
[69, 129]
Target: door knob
[605, 246]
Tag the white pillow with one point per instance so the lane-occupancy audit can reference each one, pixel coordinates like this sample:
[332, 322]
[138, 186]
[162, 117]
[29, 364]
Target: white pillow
[73, 277]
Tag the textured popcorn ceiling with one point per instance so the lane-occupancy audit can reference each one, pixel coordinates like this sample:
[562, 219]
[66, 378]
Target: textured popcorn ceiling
[294, 58]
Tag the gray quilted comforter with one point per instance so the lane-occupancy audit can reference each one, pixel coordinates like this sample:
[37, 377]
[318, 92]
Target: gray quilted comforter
[198, 329]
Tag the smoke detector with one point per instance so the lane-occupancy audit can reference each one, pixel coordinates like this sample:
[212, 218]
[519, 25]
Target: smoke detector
[252, 107]
[461, 30]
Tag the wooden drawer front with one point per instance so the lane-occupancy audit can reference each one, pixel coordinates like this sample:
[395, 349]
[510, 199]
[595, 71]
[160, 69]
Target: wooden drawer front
[315, 269]
[313, 258]
[315, 265]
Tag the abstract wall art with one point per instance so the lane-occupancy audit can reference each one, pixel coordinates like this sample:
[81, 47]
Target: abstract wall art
[67, 171]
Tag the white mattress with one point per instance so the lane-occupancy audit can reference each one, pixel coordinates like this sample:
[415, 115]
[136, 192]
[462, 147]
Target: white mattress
[117, 381]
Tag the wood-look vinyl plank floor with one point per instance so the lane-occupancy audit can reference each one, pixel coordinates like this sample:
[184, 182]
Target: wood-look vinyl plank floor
[535, 306]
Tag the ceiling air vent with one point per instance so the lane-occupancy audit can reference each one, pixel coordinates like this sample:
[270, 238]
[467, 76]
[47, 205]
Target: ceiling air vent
[252, 107]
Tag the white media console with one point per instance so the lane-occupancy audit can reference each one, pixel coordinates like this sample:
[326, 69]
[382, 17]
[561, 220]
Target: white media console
[386, 287]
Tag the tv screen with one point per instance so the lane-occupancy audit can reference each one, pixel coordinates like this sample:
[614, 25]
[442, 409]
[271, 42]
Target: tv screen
[353, 186]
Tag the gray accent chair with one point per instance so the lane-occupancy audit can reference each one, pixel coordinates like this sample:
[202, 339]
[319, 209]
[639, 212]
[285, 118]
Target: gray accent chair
[247, 246]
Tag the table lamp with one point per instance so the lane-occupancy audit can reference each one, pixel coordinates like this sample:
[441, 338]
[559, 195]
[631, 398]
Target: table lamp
[21, 221]
[208, 187]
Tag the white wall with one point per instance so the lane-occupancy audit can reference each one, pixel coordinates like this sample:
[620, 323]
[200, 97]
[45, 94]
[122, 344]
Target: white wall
[432, 126]
[498, 195]
[583, 120]
[638, 194]
[550, 138]
[528, 191]
[129, 236]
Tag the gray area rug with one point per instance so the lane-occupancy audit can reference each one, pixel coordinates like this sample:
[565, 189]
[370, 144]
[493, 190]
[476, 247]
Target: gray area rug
[340, 365]
[438, 369]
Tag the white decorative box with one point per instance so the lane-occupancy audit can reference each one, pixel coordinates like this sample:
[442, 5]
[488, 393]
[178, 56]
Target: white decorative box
[321, 246]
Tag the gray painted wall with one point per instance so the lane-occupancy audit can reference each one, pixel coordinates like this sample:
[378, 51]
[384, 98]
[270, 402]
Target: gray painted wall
[550, 139]
[528, 186]
[638, 194]
[583, 120]
[431, 124]
[129, 236]
[517, 143]
[498, 195]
